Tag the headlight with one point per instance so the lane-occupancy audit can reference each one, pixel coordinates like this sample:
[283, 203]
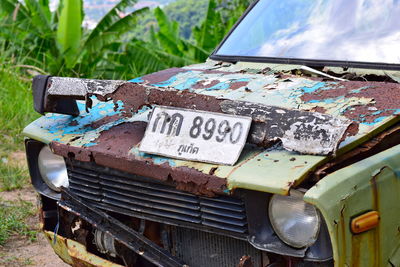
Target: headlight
[52, 169]
[296, 222]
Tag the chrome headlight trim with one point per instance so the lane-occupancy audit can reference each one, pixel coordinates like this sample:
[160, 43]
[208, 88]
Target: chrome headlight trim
[53, 169]
[296, 222]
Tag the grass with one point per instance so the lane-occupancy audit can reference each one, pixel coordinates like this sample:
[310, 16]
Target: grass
[12, 177]
[12, 217]
[6, 260]
[16, 111]
[16, 108]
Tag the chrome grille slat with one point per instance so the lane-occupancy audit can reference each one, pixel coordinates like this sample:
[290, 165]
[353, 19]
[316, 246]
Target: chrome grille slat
[157, 187]
[149, 204]
[149, 193]
[130, 194]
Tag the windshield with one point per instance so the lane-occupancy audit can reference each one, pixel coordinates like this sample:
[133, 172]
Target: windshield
[338, 30]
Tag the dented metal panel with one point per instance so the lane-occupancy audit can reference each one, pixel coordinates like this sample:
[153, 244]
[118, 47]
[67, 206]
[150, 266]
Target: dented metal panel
[81, 87]
[75, 253]
[301, 131]
[113, 129]
[372, 184]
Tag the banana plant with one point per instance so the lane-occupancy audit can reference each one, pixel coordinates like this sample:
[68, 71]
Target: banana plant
[56, 41]
[69, 31]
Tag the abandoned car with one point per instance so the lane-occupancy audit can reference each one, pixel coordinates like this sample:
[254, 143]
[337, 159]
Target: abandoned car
[283, 149]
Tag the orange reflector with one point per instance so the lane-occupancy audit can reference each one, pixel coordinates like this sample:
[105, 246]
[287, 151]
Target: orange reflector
[365, 222]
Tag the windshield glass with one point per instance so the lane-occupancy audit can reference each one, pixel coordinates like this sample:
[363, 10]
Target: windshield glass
[340, 30]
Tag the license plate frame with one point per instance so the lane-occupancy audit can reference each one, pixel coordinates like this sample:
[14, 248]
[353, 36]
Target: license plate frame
[195, 135]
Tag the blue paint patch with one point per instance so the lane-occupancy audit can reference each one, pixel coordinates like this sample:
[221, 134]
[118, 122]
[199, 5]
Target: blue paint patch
[377, 112]
[158, 160]
[143, 109]
[81, 106]
[325, 101]
[242, 80]
[137, 80]
[166, 83]
[187, 84]
[376, 121]
[357, 91]
[89, 144]
[79, 125]
[219, 86]
[314, 88]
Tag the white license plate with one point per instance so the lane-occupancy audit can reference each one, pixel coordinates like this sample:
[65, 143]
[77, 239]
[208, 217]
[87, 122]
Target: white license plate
[195, 135]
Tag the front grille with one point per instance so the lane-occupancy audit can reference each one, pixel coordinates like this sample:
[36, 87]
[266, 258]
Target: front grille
[145, 198]
[199, 249]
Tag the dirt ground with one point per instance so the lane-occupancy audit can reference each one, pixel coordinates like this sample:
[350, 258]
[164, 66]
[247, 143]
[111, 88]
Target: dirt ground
[19, 251]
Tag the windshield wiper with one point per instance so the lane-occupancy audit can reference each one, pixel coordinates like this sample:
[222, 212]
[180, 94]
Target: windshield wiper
[305, 68]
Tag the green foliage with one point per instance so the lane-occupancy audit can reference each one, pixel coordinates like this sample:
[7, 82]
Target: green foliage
[188, 13]
[210, 27]
[12, 219]
[69, 31]
[57, 43]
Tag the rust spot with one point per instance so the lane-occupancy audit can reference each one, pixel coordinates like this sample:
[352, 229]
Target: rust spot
[385, 95]
[318, 109]
[381, 142]
[136, 96]
[355, 249]
[205, 84]
[342, 245]
[73, 123]
[291, 184]
[237, 85]
[112, 150]
[133, 96]
[245, 261]
[298, 166]
[102, 121]
[212, 170]
[163, 75]
[121, 138]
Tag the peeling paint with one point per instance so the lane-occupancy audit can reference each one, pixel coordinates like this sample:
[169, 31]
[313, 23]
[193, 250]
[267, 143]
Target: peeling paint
[371, 106]
[81, 87]
[305, 132]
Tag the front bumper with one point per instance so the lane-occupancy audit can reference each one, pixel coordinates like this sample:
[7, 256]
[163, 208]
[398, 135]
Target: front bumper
[75, 253]
[124, 235]
[161, 225]
[76, 221]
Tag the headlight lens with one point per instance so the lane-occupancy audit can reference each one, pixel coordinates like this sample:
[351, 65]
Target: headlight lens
[52, 169]
[296, 222]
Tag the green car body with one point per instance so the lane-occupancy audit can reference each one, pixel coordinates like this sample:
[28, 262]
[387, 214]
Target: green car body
[94, 128]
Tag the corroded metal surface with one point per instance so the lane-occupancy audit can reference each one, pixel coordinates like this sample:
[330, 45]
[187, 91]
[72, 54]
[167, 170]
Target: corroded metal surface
[110, 133]
[81, 87]
[301, 131]
[75, 253]
[245, 261]
[369, 184]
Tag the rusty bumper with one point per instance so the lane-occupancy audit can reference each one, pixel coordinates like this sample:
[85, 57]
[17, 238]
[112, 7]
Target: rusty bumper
[75, 253]
[125, 236]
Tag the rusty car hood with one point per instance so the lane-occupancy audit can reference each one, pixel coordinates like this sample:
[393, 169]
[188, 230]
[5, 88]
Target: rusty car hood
[111, 131]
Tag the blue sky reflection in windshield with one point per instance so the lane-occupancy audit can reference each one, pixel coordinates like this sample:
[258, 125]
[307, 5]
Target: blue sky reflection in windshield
[342, 30]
